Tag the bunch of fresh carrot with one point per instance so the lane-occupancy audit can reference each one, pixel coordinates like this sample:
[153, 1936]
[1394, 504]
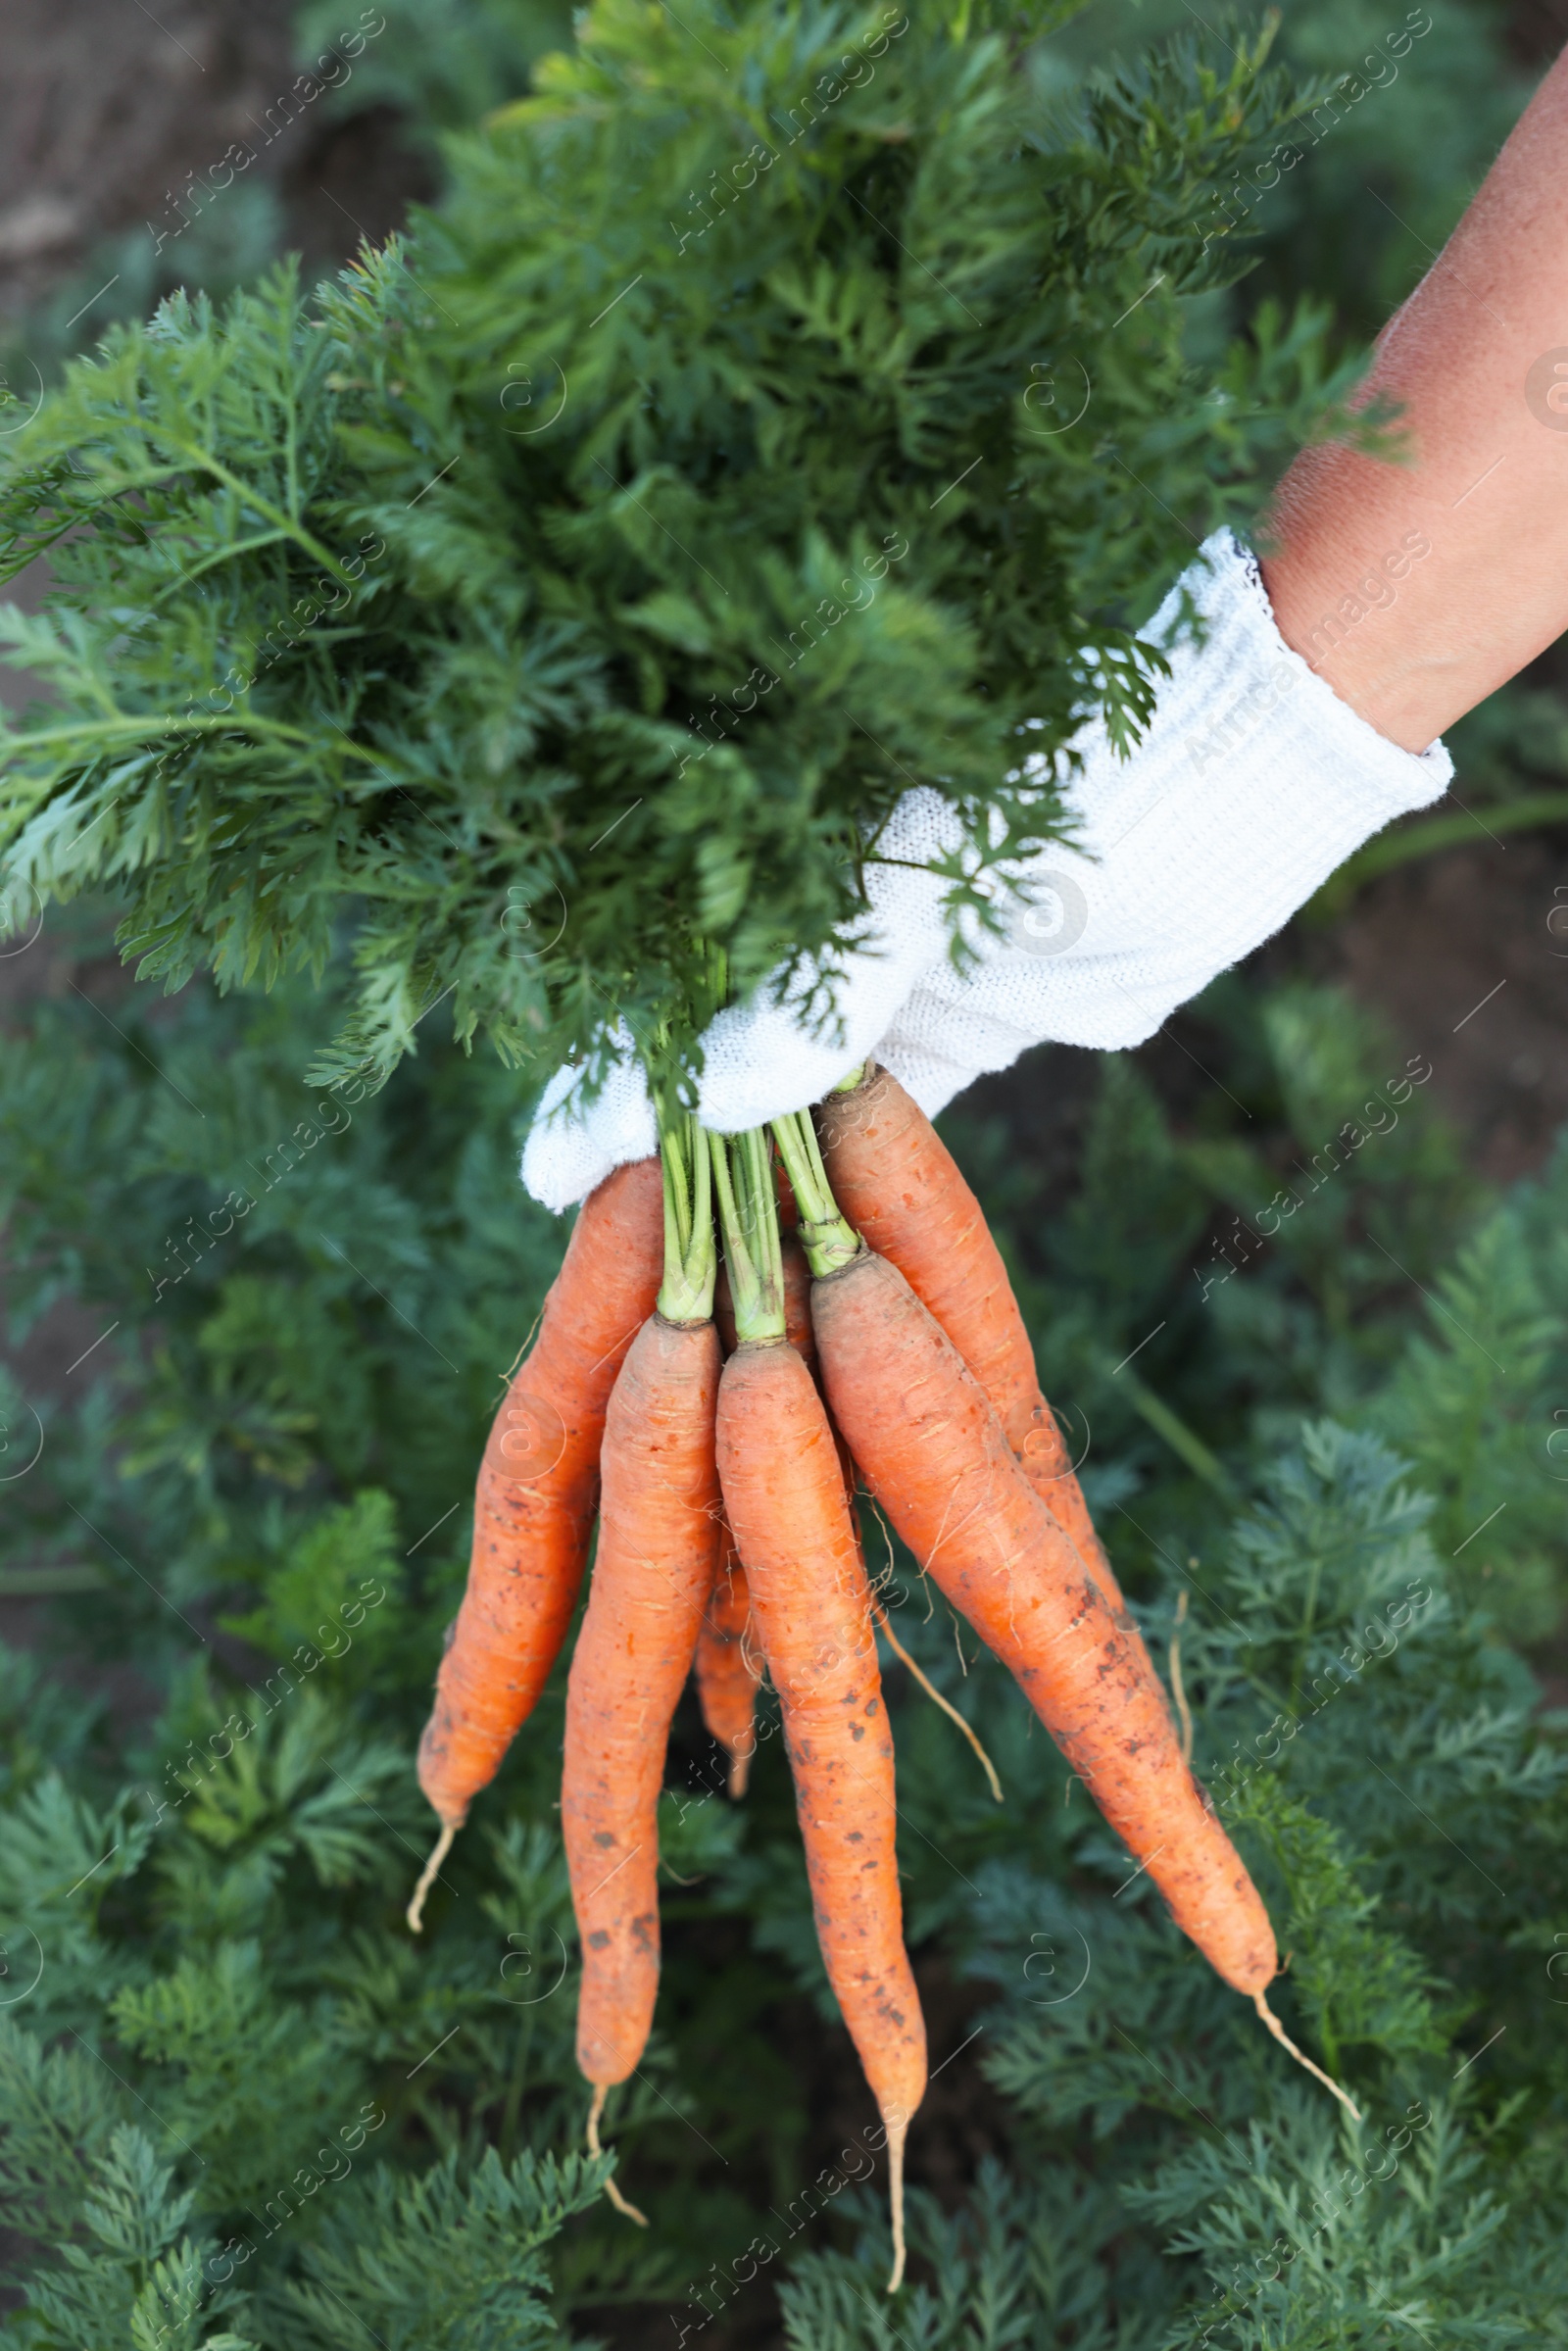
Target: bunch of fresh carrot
[878, 1346]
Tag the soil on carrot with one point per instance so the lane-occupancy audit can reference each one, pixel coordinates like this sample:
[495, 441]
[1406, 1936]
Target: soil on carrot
[961, 2121]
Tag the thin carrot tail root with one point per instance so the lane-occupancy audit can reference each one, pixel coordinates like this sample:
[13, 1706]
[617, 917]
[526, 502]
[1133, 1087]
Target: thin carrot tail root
[936, 1696]
[630, 2211]
[1178, 1687]
[740, 1768]
[897, 2135]
[1302, 2058]
[414, 1913]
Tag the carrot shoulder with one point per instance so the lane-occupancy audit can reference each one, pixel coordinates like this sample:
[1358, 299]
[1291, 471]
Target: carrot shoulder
[797, 1281]
[937, 1460]
[729, 1665]
[537, 1491]
[901, 1187]
[658, 1538]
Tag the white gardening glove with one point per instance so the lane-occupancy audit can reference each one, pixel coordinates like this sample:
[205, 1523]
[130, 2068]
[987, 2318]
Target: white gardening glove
[1251, 783]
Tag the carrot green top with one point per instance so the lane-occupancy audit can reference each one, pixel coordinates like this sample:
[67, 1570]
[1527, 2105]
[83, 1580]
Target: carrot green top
[536, 607]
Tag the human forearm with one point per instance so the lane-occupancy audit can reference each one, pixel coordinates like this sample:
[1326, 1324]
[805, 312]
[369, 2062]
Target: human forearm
[1412, 640]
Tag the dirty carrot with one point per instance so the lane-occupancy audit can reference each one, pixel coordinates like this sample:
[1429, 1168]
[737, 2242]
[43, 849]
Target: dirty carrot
[935, 1455]
[936, 1459]
[660, 1533]
[659, 1537]
[899, 1187]
[537, 1491]
[729, 1668]
[797, 1149]
[785, 1501]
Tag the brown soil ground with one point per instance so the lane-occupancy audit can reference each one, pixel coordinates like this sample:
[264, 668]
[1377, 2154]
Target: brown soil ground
[106, 106]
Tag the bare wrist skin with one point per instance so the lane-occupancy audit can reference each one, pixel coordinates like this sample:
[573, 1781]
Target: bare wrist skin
[1415, 589]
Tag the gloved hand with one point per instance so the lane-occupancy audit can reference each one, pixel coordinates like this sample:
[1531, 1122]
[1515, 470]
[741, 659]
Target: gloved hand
[1251, 783]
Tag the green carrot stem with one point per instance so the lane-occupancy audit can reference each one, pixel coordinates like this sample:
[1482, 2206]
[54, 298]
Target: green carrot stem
[748, 1214]
[849, 1084]
[691, 1263]
[827, 1240]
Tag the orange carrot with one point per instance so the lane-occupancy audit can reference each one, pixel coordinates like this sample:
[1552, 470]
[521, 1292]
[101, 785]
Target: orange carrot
[729, 1668]
[659, 1539]
[924, 1430]
[784, 1498]
[792, 1136]
[728, 1660]
[899, 1187]
[537, 1492]
[935, 1457]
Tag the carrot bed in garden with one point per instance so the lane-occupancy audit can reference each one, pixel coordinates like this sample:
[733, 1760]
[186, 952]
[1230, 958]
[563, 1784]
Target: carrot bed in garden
[534, 636]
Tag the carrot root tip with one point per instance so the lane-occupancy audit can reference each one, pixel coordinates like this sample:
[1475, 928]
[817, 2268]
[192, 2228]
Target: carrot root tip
[740, 1767]
[896, 2139]
[935, 1695]
[1302, 2058]
[630, 2211]
[415, 1914]
[1178, 1688]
